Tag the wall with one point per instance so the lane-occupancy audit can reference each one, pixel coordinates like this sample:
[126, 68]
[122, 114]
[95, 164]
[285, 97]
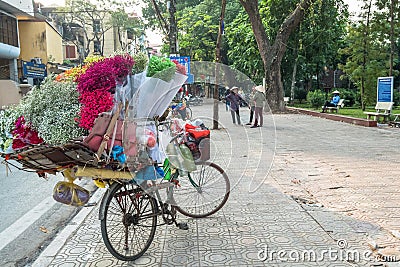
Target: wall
[39, 39]
[54, 44]
[109, 47]
[33, 40]
[9, 93]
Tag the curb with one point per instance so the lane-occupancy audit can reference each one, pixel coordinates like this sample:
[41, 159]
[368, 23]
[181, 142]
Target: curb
[49, 253]
[334, 117]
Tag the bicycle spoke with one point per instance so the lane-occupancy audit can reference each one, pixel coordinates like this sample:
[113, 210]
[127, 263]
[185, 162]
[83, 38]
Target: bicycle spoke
[203, 192]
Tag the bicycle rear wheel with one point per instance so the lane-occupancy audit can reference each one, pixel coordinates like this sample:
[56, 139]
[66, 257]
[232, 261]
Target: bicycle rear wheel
[128, 221]
[204, 192]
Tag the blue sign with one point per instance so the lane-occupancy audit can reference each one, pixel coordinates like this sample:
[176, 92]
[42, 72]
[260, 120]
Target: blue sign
[190, 78]
[33, 70]
[385, 89]
[185, 61]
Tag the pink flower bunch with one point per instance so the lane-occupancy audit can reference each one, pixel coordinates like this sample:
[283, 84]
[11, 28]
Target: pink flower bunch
[98, 83]
[102, 74]
[179, 67]
[121, 65]
[24, 135]
[94, 103]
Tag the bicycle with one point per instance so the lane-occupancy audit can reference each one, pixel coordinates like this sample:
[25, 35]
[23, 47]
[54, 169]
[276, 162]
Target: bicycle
[129, 212]
[194, 100]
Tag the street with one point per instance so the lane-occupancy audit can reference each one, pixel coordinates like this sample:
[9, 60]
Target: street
[30, 217]
[331, 187]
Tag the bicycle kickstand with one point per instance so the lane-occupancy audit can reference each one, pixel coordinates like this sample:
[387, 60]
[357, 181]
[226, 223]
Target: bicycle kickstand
[182, 225]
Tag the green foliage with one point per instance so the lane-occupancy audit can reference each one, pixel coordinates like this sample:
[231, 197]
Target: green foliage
[243, 52]
[150, 15]
[369, 47]
[351, 97]
[67, 62]
[365, 62]
[141, 61]
[52, 109]
[300, 94]
[314, 45]
[316, 98]
[161, 67]
[121, 21]
[396, 98]
[199, 35]
[7, 123]
[198, 29]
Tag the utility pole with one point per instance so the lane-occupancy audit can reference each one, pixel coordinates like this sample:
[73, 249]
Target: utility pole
[217, 65]
[173, 31]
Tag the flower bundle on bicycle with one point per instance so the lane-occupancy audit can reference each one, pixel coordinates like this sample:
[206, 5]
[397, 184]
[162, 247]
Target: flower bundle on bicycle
[101, 121]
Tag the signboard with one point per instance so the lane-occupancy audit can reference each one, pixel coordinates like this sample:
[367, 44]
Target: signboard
[385, 89]
[190, 78]
[185, 61]
[33, 70]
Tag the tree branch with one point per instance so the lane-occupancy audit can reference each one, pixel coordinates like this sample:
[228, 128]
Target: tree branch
[163, 23]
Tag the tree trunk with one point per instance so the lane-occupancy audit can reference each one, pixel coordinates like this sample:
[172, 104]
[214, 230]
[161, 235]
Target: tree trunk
[393, 3]
[272, 55]
[365, 54]
[292, 86]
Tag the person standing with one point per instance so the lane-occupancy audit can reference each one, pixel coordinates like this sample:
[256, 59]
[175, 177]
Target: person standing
[253, 90]
[227, 104]
[258, 99]
[234, 100]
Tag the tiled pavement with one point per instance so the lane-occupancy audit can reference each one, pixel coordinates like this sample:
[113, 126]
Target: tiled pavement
[261, 217]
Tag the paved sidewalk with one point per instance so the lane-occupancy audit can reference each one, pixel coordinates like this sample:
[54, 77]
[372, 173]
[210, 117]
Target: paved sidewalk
[262, 224]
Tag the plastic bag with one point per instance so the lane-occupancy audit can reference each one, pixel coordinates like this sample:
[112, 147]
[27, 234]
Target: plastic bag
[70, 194]
[180, 158]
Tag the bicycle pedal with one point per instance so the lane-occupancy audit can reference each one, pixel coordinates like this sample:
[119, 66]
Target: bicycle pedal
[182, 226]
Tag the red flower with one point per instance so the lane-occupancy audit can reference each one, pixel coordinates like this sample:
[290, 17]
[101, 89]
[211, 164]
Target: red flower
[179, 67]
[24, 135]
[94, 103]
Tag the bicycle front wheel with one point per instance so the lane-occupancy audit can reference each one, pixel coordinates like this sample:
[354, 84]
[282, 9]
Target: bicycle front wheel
[204, 192]
[128, 221]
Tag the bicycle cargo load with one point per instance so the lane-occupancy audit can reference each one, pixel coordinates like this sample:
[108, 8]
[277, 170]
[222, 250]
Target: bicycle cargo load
[198, 142]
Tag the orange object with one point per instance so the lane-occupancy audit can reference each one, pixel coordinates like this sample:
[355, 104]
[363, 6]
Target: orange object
[196, 132]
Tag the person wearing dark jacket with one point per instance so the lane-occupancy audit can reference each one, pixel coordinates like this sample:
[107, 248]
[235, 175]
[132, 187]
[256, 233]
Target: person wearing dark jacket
[227, 104]
[234, 99]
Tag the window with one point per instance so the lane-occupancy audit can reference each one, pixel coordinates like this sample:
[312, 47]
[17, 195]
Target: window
[96, 25]
[8, 30]
[70, 51]
[96, 47]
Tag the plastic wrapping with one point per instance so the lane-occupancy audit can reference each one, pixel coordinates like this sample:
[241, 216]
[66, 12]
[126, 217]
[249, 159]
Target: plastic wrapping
[147, 174]
[154, 96]
[180, 157]
[70, 194]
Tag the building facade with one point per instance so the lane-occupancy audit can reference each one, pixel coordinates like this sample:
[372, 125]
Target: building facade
[10, 13]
